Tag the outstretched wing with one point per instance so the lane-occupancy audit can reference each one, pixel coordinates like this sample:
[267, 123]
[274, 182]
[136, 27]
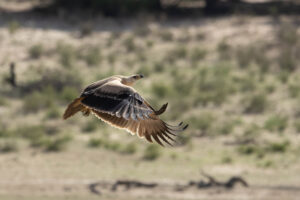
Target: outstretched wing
[151, 128]
[118, 100]
[121, 106]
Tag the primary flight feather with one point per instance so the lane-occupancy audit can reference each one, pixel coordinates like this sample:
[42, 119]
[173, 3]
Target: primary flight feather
[114, 101]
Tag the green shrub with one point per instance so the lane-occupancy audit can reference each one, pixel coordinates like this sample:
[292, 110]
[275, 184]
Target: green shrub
[90, 126]
[145, 70]
[184, 37]
[245, 83]
[4, 132]
[270, 88]
[149, 43]
[129, 44]
[13, 26]
[198, 54]
[184, 139]
[224, 50]
[51, 129]
[38, 136]
[287, 34]
[227, 127]
[67, 54]
[245, 55]
[166, 35]
[226, 159]
[8, 146]
[53, 81]
[200, 36]
[256, 104]
[111, 58]
[95, 142]
[252, 131]
[202, 122]
[112, 145]
[31, 132]
[287, 60]
[36, 51]
[160, 90]
[276, 123]
[288, 39]
[68, 94]
[142, 31]
[57, 144]
[141, 57]
[174, 156]
[182, 86]
[152, 152]
[130, 148]
[283, 76]
[109, 145]
[278, 147]
[294, 90]
[214, 84]
[266, 164]
[53, 113]
[262, 61]
[297, 125]
[159, 67]
[36, 101]
[92, 56]
[3, 101]
[179, 52]
[86, 29]
[248, 149]
[39, 142]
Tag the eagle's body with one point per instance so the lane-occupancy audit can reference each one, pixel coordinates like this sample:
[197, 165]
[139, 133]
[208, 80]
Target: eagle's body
[114, 101]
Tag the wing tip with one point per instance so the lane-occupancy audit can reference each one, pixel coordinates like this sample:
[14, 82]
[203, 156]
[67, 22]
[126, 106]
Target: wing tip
[185, 127]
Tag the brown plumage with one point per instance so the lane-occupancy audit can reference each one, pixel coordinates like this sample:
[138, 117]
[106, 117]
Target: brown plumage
[114, 101]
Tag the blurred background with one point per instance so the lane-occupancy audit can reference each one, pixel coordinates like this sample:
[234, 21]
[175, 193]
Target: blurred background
[228, 68]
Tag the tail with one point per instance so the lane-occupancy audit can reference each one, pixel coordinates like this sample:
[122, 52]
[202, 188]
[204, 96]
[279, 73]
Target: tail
[73, 108]
[162, 109]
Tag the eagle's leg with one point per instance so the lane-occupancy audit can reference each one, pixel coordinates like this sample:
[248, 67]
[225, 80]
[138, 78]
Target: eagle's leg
[86, 112]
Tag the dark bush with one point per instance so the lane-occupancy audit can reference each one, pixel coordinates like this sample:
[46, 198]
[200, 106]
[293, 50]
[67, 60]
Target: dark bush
[214, 85]
[95, 142]
[55, 79]
[8, 146]
[256, 104]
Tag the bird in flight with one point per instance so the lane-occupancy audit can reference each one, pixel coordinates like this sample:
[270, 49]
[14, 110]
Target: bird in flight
[115, 102]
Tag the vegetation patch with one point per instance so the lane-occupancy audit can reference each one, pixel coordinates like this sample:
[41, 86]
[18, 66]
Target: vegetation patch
[256, 104]
[152, 152]
[276, 123]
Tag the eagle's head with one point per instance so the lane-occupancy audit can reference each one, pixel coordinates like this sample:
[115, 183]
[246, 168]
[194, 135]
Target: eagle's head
[130, 80]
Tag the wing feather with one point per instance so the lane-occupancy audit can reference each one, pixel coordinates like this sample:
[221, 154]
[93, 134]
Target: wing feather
[117, 99]
[152, 129]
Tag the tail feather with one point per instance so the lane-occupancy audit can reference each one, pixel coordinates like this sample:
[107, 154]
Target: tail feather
[162, 109]
[73, 108]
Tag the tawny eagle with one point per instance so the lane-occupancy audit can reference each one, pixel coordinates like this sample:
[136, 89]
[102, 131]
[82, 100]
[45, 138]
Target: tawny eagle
[114, 101]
